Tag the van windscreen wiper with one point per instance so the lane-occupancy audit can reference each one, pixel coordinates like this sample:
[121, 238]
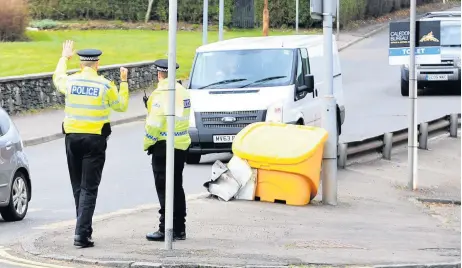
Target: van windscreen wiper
[223, 82]
[264, 80]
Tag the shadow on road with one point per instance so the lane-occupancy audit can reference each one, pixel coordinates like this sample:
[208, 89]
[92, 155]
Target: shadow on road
[439, 91]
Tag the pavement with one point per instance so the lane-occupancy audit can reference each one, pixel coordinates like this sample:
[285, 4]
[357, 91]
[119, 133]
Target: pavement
[377, 222]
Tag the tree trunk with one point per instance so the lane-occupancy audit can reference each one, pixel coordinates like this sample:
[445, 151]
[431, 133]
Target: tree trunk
[265, 18]
[148, 13]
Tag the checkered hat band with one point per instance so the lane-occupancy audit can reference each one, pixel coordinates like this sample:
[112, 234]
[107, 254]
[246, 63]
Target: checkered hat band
[89, 58]
[162, 69]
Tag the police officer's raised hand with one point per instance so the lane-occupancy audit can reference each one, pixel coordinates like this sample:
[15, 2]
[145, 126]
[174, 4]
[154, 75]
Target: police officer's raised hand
[68, 49]
[123, 74]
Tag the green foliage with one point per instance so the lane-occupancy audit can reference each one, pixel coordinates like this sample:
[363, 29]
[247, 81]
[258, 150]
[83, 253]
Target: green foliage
[282, 12]
[13, 20]
[44, 24]
[118, 46]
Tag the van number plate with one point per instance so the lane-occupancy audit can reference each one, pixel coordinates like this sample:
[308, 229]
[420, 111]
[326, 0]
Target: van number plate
[223, 138]
[437, 77]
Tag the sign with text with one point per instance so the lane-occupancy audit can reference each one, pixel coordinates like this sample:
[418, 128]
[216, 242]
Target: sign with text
[428, 45]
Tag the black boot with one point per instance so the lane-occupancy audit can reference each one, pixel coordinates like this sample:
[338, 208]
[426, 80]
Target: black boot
[83, 241]
[179, 235]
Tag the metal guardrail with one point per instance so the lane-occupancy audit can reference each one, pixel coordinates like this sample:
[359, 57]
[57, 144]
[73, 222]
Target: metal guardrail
[383, 144]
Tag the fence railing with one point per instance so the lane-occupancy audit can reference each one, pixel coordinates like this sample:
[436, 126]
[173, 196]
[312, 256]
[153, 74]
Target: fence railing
[383, 144]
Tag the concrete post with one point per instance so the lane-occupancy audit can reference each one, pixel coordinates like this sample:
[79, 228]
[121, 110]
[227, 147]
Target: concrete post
[342, 152]
[423, 138]
[388, 145]
[453, 119]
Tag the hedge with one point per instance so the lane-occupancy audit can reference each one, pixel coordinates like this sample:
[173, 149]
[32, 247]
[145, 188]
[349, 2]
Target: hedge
[282, 12]
[13, 20]
[126, 10]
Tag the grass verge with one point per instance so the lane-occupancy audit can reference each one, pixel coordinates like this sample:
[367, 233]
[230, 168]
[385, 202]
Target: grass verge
[118, 46]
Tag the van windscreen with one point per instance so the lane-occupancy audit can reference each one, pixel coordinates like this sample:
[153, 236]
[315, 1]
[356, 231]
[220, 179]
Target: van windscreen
[242, 68]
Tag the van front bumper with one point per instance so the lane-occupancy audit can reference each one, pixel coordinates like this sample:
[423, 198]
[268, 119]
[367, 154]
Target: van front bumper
[425, 73]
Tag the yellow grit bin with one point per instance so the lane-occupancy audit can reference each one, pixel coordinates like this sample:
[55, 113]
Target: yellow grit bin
[288, 159]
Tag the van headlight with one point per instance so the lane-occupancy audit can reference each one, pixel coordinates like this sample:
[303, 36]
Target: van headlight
[274, 113]
[192, 119]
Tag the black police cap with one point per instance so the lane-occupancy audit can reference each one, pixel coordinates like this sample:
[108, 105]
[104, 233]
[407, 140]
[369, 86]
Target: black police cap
[89, 54]
[162, 65]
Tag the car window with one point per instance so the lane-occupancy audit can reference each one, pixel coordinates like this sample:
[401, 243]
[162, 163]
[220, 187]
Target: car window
[4, 122]
[300, 80]
[306, 60]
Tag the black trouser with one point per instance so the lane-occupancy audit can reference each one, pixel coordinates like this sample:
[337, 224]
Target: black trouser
[86, 154]
[179, 204]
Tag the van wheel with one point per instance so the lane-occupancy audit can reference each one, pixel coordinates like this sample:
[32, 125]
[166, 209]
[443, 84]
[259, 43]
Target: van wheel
[19, 200]
[193, 159]
[404, 87]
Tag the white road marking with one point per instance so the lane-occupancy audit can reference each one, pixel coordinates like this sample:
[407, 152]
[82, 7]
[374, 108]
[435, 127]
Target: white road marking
[31, 210]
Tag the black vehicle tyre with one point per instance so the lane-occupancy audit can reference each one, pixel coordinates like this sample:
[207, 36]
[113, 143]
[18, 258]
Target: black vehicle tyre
[19, 199]
[404, 87]
[193, 159]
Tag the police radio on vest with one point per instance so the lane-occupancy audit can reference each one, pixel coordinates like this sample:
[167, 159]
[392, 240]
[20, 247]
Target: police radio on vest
[85, 91]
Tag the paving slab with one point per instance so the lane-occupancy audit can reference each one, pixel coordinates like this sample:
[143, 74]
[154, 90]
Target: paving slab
[374, 223]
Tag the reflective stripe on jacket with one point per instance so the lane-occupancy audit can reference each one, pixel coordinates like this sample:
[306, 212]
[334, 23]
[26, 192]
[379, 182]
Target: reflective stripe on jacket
[156, 120]
[89, 99]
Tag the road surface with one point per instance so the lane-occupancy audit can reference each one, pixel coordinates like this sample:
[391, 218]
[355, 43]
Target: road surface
[374, 105]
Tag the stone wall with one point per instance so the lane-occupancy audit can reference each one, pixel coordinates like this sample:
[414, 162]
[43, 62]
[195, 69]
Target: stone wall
[36, 91]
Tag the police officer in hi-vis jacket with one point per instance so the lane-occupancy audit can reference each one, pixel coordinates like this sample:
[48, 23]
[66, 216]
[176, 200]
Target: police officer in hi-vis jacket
[89, 100]
[155, 143]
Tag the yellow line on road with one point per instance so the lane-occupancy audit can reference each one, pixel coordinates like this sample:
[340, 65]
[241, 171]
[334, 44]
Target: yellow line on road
[12, 260]
[20, 264]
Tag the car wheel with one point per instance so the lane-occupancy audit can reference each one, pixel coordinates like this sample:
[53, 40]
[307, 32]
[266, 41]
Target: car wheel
[193, 159]
[19, 200]
[404, 87]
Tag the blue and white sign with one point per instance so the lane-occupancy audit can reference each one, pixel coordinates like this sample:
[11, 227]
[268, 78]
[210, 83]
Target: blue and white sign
[428, 50]
[423, 55]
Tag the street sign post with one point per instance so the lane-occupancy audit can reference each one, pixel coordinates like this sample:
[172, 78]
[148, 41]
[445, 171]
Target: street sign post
[205, 21]
[326, 10]
[412, 43]
[221, 15]
[296, 15]
[172, 27]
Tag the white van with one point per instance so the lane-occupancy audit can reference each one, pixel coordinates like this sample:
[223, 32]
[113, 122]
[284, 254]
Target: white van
[236, 82]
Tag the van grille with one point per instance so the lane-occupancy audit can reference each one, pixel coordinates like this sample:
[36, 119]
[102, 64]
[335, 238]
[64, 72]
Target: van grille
[444, 63]
[238, 119]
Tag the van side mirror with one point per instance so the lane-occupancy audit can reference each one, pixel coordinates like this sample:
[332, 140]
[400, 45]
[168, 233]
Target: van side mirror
[309, 83]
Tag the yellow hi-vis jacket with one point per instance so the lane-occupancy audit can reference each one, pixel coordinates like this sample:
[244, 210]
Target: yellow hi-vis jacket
[89, 99]
[156, 120]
